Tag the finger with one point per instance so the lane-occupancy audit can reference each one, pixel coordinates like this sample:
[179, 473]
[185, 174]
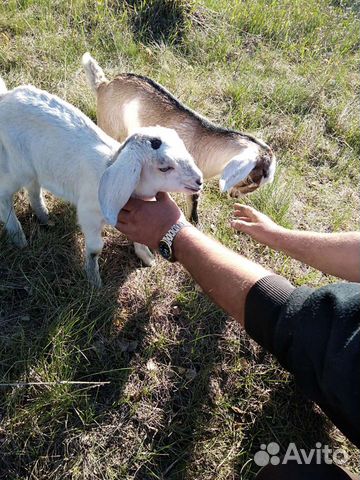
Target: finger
[123, 216]
[125, 228]
[245, 210]
[242, 219]
[240, 225]
[241, 214]
[163, 197]
[131, 204]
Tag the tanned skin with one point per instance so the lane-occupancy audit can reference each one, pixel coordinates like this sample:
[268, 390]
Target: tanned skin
[336, 254]
[224, 275]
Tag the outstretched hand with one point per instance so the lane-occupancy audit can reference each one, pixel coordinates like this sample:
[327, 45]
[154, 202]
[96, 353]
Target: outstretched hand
[256, 224]
[147, 222]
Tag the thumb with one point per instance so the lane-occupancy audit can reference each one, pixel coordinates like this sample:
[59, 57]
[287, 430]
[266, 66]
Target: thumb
[162, 196]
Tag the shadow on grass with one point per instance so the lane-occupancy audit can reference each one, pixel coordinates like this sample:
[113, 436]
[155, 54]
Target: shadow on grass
[283, 418]
[55, 327]
[286, 417]
[148, 422]
[145, 421]
[192, 394]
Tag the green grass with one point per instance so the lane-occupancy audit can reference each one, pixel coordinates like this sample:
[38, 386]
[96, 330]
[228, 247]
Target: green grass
[190, 395]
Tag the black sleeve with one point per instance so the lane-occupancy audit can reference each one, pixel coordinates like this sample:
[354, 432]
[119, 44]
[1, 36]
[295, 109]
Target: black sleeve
[315, 335]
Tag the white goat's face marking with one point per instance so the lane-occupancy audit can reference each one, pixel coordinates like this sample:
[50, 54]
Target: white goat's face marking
[168, 166]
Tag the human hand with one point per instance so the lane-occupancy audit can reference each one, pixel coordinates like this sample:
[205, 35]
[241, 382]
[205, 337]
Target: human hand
[256, 224]
[147, 222]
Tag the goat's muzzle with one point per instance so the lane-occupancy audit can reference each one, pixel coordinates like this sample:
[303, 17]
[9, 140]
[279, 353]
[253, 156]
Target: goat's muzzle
[258, 176]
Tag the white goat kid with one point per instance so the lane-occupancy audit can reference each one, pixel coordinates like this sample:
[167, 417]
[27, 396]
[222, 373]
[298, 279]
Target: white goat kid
[46, 142]
[130, 101]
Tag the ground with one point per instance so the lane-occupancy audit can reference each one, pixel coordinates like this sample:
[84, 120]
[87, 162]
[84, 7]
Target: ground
[183, 393]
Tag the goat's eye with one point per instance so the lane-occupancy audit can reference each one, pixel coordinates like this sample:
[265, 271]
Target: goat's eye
[166, 169]
[155, 143]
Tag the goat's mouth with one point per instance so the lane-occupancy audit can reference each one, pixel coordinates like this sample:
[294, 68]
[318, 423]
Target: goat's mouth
[192, 189]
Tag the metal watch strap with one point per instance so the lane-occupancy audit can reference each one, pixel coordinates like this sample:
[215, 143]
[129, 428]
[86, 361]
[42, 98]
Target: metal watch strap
[171, 234]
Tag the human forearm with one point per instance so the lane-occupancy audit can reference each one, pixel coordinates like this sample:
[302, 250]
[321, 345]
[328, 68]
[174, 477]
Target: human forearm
[332, 253]
[303, 328]
[224, 275]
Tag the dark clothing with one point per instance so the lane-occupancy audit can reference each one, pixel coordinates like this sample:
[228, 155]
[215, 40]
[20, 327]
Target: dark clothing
[315, 335]
[293, 471]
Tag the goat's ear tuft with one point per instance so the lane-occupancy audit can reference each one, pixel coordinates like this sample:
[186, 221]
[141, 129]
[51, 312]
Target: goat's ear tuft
[116, 186]
[235, 171]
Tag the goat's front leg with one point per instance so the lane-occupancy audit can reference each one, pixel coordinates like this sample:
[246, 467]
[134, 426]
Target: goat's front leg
[144, 253]
[192, 204]
[90, 222]
[11, 223]
[37, 202]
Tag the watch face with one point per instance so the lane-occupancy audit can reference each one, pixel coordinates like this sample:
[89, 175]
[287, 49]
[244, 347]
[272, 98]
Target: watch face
[165, 250]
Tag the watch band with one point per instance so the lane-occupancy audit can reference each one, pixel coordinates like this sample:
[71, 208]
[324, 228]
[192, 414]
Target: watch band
[171, 234]
[168, 238]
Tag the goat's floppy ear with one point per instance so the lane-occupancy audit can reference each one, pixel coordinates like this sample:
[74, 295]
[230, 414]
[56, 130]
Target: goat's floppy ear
[116, 186]
[235, 171]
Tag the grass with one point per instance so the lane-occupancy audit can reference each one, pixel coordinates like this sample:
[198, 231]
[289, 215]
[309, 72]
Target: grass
[190, 395]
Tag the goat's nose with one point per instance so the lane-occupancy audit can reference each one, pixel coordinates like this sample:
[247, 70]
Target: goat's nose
[199, 182]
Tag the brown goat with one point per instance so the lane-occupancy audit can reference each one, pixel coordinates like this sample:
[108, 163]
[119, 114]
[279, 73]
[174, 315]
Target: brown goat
[130, 101]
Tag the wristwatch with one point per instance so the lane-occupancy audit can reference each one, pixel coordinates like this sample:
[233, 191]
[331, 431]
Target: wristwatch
[165, 245]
